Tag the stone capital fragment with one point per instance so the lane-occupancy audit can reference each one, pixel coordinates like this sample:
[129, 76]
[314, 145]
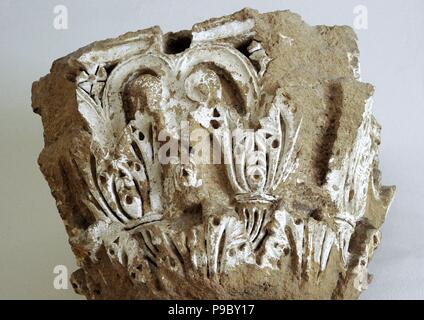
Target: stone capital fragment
[235, 160]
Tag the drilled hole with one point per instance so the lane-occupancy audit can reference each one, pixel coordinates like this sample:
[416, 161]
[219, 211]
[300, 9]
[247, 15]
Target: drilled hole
[317, 215]
[215, 124]
[129, 199]
[102, 179]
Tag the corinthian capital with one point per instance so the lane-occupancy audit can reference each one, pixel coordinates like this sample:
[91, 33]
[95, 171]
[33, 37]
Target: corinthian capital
[238, 159]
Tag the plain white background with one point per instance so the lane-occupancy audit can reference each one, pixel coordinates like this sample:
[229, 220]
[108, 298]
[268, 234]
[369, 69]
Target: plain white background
[32, 236]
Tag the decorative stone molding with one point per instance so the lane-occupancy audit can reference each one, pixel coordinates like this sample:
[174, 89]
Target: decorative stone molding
[283, 198]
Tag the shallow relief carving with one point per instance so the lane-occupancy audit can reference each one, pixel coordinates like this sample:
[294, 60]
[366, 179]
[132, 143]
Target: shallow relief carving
[165, 218]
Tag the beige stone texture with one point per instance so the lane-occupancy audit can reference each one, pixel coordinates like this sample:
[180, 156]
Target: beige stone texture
[298, 217]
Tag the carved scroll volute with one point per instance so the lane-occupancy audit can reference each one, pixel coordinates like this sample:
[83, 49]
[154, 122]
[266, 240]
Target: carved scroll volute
[203, 86]
[227, 64]
[143, 73]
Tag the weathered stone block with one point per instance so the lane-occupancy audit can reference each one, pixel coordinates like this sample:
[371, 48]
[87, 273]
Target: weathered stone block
[235, 160]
